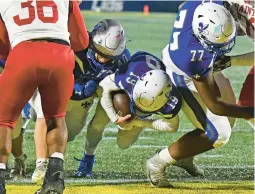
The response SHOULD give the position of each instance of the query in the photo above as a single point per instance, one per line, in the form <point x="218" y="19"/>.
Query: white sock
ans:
<point x="57" y="155"/>
<point x="166" y="157"/>
<point x="2" y="166"/>
<point x="40" y="160"/>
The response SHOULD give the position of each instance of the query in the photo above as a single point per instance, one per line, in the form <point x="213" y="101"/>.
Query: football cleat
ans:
<point x="39" y="172"/>
<point x="155" y="172"/>
<point x="2" y="189"/>
<point x="54" y="178"/>
<point x="86" y="166"/>
<point x="188" y="164"/>
<point x="18" y="170"/>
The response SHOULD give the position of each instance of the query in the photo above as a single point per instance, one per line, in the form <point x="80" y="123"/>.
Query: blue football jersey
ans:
<point x="185" y="51"/>
<point x="140" y="63"/>
<point x="86" y="71"/>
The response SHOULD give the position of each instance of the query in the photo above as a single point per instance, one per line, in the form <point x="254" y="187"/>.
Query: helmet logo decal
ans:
<point x="202" y="27"/>
<point x="217" y="29"/>
<point x="117" y="37"/>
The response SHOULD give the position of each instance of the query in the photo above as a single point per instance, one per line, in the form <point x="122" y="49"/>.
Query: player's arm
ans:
<point x="240" y="31"/>
<point x="169" y="125"/>
<point x="210" y="93"/>
<point x="246" y="59"/>
<point x="109" y="86"/>
<point x="224" y="62"/>
<point x="79" y="37"/>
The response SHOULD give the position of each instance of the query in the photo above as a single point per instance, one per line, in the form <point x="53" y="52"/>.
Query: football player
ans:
<point x="243" y="13"/>
<point x="151" y="92"/>
<point x="106" y="52"/>
<point x="40" y="57"/>
<point x="202" y="32"/>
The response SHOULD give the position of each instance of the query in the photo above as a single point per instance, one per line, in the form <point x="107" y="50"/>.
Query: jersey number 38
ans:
<point x="39" y="9"/>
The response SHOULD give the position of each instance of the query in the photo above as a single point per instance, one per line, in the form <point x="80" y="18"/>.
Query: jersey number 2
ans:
<point x="40" y="5"/>
<point x="179" y="25"/>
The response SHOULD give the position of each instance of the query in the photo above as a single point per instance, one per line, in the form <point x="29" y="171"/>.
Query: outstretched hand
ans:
<point x="123" y="120"/>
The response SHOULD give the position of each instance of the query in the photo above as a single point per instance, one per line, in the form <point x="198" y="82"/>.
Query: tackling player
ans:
<point x="40" y="58"/>
<point x="151" y="92"/>
<point x="202" y="31"/>
<point x="106" y="52"/>
<point x="243" y="13"/>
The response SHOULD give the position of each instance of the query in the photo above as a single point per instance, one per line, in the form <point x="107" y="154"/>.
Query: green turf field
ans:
<point x="228" y="170"/>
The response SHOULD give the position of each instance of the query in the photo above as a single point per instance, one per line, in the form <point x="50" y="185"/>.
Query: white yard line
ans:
<point x="120" y="181"/>
<point x="114" y="129"/>
<point x="114" y="138"/>
<point x="228" y="167"/>
<point x="210" y="156"/>
<point x="149" y="146"/>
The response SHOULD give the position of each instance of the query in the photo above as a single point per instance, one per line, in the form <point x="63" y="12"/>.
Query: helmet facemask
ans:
<point x="108" y="40"/>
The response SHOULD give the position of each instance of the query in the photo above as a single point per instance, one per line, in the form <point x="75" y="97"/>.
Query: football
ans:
<point x="121" y="102"/>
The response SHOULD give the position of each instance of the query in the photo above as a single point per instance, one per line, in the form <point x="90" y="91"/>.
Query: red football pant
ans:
<point x="247" y="93"/>
<point x="48" y="66"/>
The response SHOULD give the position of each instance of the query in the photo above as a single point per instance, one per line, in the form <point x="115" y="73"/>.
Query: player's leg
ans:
<point x="76" y="114"/>
<point x="226" y="91"/>
<point x="19" y="166"/>
<point x="57" y="63"/>
<point x="189" y="145"/>
<point x="94" y="135"/>
<point x="126" y="138"/>
<point x="246" y="97"/>
<point x="211" y="131"/>
<point x="17" y="84"/>
<point x="40" y="133"/>
<point x="18" y="169"/>
<point x="39" y="138"/>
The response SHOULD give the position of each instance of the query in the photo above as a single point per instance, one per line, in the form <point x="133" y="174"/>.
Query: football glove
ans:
<point x="90" y="88"/>
<point x="78" y="88"/>
<point x="85" y="89"/>
<point x="222" y="63"/>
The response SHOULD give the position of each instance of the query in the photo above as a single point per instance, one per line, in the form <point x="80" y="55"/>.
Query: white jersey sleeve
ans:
<point x="28" y="19"/>
<point x="108" y="86"/>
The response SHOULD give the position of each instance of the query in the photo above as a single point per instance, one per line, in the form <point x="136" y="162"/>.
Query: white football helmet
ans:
<point x="108" y="38"/>
<point x="214" y="27"/>
<point x="152" y="90"/>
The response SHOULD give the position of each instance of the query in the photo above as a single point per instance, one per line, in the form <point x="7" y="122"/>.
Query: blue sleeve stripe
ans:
<point x="211" y="131"/>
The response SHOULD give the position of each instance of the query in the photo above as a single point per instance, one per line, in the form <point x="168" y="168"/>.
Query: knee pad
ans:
<point x="223" y="137"/>
<point x="123" y="144"/>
